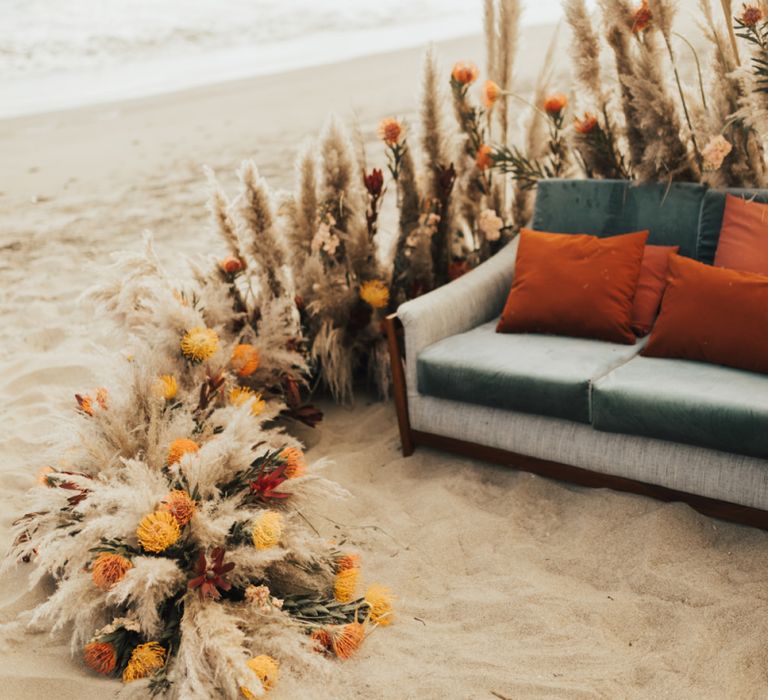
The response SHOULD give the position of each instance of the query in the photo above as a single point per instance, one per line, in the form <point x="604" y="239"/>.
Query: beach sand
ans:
<point x="508" y="585"/>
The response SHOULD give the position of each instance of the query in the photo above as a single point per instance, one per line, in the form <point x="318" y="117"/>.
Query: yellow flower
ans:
<point x="145" y="660"/>
<point x="375" y="293"/>
<point x="180" y="447"/>
<point x="199" y="344"/>
<point x="179" y="504"/>
<point x="391" y="131"/>
<point x="379" y="599"/>
<point x="267" y="670"/>
<point x="240" y="395"/>
<point x="267" y="530"/>
<point x="167" y="387"/>
<point x="345" y="584"/>
<point x="158" y="531"/>
<point x="245" y="360"/>
<point x="108" y="569"/>
<point x="295" y="465"/>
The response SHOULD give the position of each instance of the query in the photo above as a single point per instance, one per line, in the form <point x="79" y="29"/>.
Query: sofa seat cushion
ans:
<point x="542" y="374"/>
<point x="691" y="402"/>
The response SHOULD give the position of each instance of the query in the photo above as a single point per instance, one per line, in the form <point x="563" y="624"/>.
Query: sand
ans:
<point x="508" y="585"/>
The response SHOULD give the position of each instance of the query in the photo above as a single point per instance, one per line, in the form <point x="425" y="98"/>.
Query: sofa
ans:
<point x="580" y="410"/>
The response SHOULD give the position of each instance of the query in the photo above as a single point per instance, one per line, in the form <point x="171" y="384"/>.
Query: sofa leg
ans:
<point x="394" y="331"/>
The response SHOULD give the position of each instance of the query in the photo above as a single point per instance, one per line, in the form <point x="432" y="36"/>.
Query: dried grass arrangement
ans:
<point x="175" y="518"/>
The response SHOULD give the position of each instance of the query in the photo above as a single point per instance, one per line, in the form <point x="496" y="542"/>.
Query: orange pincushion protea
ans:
<point x="100" y="657"/>
<point x="346" y="640"/>
<point x="642" y="18"/>
<point x="491" y="93"/>
<point x="245" y="360"/>
<point x="180" y="447"/>
<point x="295" y="465"/>
<point x="345" y="584"/>
<point x="180" y="505"/>
<point x="379" y="599"/>
<point x="556" y="103"/>
<point x="464" y="72"/>
<point x="322" y="639"/>
<point x="586" y="125"/>
<point x="484" y="158"/>
<point x="391" y="131"/>
<point x="158" y="531"/>
<point x="109" y="569"/>
<point x="267" y="671"/>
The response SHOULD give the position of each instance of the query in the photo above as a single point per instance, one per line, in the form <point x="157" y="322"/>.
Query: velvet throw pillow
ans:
<point x="743" y="243"/>
<point x="712" y="314"/>
<point x="651" y="286"/>
<point x="576" y="285"/>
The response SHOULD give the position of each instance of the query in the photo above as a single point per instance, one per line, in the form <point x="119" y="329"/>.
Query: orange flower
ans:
<point x="108" y="569"/>
<point x="180" y="447"/>
<point x="322" y="639"/>
<point x="586" y="125"/>
<point x="179" y="504"/>
<point x="100" y="657"/>
<point x="245" y="360"/>
<point x="642" y="18"/>
<point x="101" y="397"/>
<point x="391" y="131"/>
<point x="231" y="265"/>
<point x="348" y="561"/>
<point x="347" y="640"/>
<point x="491" y="93"/>
<point x="464" y="73"/>
<point x="554" y="104"/>
<point x="750" y="15"/>
<point x="84" y="403"/>
<point x="295" y="465"/>
<point x="484" y="158"/>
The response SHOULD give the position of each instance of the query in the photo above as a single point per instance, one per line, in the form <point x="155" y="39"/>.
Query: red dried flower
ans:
<point x="750" y="15"/>
<point x="586" y="125"/>
<point x="266" y="484"/>
<point x="642" y="18"/>
<point x="210" y="579"/>
<point x="231" y="265"/>
<point x="556" y="103"/>
<point x="374" y="182"/>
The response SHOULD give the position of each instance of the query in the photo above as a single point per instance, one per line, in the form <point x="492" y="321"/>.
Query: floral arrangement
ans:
<point x="177" y="518"/>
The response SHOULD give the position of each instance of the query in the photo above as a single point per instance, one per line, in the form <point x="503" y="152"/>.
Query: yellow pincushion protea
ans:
<point x="245" y="360"/>
<point x="145" y="660"/>
<point x="167" y="387"/>
<point x="158" y="531"/>
<point x="199" y="344"/>
<point x="267" y="671"/>
<point x="379" y="599"/>
<point x="180" y="447"/>
<point x="345" y="584"/>
<point x="267" y="530"/>
<point x="241" y="395"/>
<point x="375" y="293"/>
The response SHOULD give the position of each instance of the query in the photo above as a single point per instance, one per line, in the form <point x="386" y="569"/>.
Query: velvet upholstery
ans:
<point x="696" y="403"/>
<point x="609" y="207"/>
<point x="711" y="218"/>
<point x="541" y="374"/>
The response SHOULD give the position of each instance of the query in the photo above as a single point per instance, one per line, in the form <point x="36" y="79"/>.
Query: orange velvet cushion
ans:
<point x="577" y="285"/>
<point x="743" y="243"/>
<point x="650" y="286"/>
<point x="712" y="315"/>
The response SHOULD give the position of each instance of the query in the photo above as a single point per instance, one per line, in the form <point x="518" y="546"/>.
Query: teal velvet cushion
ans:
<point x="609" y="207"/>
<point x="691" y="402"/>
<point x="711" y="219"/>
<point x="547" y="375"/>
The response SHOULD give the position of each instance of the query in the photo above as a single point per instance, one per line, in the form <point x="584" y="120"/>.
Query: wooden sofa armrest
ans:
<point x="395" y="336"/>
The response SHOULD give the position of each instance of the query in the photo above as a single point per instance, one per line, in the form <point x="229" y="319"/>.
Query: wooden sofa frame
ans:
<point x="410" y="438"/>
